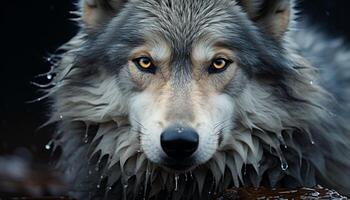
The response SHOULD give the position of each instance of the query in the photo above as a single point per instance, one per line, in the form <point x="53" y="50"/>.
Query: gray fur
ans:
<point x="289" y="131"/>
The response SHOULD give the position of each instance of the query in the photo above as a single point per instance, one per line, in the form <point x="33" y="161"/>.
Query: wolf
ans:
<point x="182" y="99"/>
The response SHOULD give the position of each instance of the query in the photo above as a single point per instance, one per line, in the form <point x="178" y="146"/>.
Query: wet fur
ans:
<point x="289" y="129"/>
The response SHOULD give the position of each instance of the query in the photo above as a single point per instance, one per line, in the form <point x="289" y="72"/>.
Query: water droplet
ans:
<point x="315" y="194"/>
<point x="125" y="187"/>
<point x="191" y="175"/>
<point x="98" y="186"/>
<point x="176" y="182"/>
<point x="61" y="117"/>
<point x="49" y="76"/>
<point x="245" y="169"/>
<point x="90" y="172"/>
<point x="311" y="82"/>
<point x="311" y="138"/>
<point x="186" y="177"/>
<point x="48" y="147"/>
<point x="109" y="188"/>
<point x="86" y="135"/>
<point x="284" y="166"/>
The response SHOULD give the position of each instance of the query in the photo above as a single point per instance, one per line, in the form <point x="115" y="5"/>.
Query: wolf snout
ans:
<point x="179" y="142"/>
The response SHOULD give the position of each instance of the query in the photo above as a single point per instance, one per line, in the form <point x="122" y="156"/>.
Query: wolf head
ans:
<point x="192" y="85"/>
<point x="182" y="66"/>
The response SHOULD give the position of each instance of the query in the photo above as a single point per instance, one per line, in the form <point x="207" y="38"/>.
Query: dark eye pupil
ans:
<point x="145" y="61"/>
<point x="219" y="62"/>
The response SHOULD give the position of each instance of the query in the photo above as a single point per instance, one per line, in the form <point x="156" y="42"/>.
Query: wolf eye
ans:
<point x="145" y="64"/>
<point x="219" y="65"/>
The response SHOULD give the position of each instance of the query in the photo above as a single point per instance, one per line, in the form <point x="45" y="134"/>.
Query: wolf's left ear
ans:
<point x="98" y="12"/>
<point x="272" y="16"/>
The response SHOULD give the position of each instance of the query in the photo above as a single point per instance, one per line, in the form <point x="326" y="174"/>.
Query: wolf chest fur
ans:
<point x="182" y="99"/>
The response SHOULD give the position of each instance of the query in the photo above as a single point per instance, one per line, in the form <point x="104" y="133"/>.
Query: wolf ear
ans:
<point x="98" y="12"/>
<point x="272" y="16"/>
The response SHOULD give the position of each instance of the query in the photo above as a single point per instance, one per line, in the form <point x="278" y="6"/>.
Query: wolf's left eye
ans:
<point x="145" y="64"/>
<point x="219" y="65"/>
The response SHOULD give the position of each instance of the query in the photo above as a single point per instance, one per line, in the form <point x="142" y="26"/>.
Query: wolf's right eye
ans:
<point x="219" y="65"/>
<point x="145" y="64"/>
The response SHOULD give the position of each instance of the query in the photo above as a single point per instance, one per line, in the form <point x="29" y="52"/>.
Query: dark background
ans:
<point x="32" y="30"/>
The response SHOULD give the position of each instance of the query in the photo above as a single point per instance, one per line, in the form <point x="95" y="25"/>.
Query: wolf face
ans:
<point x="211" y="88"/>
<point x="180" y="107"/>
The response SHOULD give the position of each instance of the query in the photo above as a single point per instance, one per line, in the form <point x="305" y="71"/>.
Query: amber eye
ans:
<point x="219" y="65"/>
<point x="145" y="64"/>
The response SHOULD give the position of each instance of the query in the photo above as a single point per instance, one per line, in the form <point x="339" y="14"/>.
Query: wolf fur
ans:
<point x="286" y="108"/>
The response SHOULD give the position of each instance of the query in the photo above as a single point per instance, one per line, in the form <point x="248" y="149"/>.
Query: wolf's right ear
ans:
<point x="272" y="16"/>
<point x="98" y="12"/>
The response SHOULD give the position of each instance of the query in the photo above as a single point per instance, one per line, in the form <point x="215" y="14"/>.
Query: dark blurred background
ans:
<point x="32" y="30"/>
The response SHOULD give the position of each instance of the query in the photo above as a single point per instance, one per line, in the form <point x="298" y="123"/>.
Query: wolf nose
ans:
<point x="179" y="142"/>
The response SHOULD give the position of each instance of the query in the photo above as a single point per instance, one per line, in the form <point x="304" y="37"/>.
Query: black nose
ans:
<point x="179" y="142"/>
